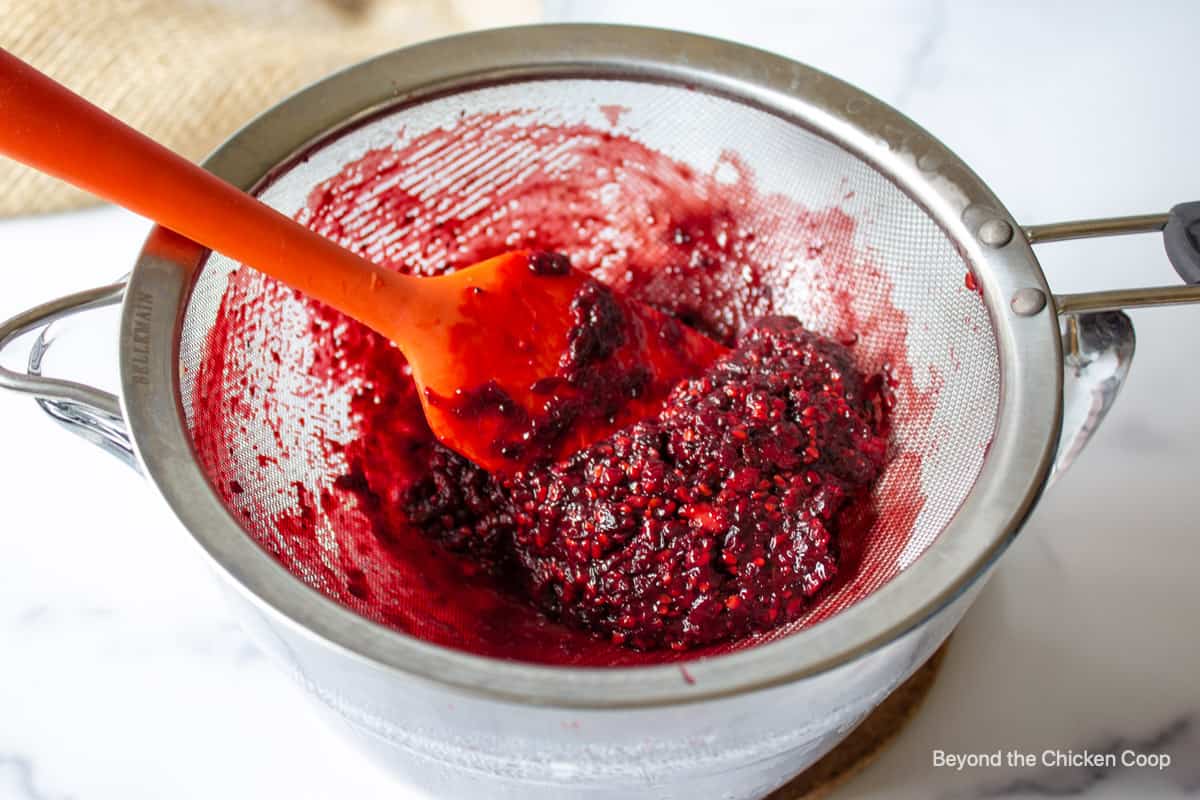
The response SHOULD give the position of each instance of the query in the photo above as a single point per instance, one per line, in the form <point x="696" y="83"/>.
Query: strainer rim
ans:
<point x="1029" y="348"/>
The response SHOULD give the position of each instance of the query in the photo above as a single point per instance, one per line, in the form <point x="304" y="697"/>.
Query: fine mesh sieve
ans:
<point x="848" y="253"/>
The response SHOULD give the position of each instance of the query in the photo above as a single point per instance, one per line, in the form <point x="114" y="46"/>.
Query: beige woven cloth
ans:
<point x="190" y="72"/>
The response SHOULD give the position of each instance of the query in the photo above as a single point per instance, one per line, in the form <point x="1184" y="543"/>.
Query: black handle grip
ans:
<point x="1181" y="237"/>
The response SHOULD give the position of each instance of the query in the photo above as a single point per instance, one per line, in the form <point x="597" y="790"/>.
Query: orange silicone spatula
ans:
<point x="517" y="358"/>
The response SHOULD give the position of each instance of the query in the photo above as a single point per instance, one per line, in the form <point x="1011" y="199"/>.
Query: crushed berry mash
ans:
<point x="719" y="517"/>
<point x="732" y="512"/>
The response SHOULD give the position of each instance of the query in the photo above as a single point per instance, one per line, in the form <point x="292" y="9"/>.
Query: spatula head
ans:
<point x="532" y="360"/>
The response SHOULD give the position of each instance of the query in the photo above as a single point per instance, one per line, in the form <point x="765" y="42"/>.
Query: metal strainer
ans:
<point x="976" y="430"/>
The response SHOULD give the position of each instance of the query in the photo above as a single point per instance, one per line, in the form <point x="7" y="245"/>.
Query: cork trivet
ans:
<point x="868" y="739"/>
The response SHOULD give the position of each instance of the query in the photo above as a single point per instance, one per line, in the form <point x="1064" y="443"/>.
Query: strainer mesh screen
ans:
<point x="604" y="171"/>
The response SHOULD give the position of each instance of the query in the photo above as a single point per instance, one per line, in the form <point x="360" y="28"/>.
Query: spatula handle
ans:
<point x="52" y="129"/>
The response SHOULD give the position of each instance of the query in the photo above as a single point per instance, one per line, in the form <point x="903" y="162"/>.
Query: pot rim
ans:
<point x="1011" y="479"/>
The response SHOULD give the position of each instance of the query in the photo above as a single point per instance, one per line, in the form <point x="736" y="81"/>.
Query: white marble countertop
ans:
<point x="123" y="676"/>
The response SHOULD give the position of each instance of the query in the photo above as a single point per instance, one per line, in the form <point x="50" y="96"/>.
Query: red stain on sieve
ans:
<point x="613" y="113"/>
<point x="972" y="284"/>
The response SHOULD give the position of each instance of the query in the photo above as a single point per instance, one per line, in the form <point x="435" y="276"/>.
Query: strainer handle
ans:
<point x="1181" y="239"/>
<point x="1098" y="338"/>
<point x="85" y="410"/>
